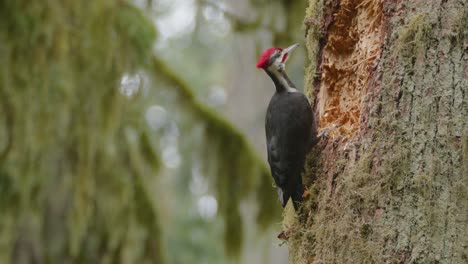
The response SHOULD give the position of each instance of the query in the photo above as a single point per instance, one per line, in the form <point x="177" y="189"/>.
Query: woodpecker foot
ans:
<point x="306" y="194"/>
<point x="325" y="132"/>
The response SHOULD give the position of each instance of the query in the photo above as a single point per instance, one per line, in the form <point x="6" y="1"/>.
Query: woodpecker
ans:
<point x="288" y="127"/>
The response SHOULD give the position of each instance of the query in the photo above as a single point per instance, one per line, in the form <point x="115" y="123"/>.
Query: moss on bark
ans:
<point x="391" y="193"/>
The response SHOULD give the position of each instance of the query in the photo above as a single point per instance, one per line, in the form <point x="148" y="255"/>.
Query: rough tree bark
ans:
<point x="390" y="186"/>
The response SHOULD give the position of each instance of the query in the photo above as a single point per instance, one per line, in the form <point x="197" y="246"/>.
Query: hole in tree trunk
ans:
<point x="352" y="47"/>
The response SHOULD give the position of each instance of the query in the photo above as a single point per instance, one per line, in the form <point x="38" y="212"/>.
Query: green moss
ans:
<point x="136" y="32"/>
<point x="314" y="32"/>
<point x="148" y="152"/>
<point x="66" y="161"/>
<point x="145" y="213"/>
<point x="7" y="190"/>
<point x="413" y="37"/>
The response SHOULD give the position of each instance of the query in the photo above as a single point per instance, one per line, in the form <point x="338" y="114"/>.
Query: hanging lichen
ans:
<point x="71" y="180"/>
<point x="75" y="154"/>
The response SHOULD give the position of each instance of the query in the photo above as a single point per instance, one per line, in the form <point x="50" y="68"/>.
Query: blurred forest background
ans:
<point x="132" y="131"/>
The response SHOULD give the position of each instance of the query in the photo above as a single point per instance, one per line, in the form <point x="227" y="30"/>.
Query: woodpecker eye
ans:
<point x="268" y="56"/>
<point x="277" y="53"/>
<point x="274" y="57"/>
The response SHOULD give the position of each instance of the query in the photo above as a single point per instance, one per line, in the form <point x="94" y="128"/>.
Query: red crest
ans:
<point x="263" y="60"/>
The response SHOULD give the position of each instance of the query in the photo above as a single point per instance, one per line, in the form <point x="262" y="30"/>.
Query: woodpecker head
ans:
<point x="274" y="59"/>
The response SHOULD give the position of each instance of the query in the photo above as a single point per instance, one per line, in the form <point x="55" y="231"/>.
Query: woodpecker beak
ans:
<point x="290" y="48"/>
<point x="288" y="51"/>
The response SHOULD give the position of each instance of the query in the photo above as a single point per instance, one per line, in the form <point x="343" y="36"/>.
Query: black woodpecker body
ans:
<point x="289" y="122"/>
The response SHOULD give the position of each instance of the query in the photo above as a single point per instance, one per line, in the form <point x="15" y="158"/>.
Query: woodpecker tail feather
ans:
<point x="297" y="196"/>
<point x="282" y="196"/>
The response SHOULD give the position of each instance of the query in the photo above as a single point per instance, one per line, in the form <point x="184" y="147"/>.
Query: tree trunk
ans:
<point x="391" y="184"/>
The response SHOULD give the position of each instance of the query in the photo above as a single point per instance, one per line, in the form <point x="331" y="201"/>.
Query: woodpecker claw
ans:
<point x="323" y="135"/>
<point x="325" y="132"/>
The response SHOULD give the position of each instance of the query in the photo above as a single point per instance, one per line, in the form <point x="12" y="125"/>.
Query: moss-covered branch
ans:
<point x="238" y="170"/>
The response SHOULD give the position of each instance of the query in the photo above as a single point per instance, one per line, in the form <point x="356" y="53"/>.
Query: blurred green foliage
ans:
<point x="234" y="169"/>
<point x="76" y="153"/>
<point x="77" y="159"/>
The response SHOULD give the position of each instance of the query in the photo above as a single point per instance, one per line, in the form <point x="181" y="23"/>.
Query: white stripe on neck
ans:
<point x="284" y="82"/>
<point x="291" y="90"/>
